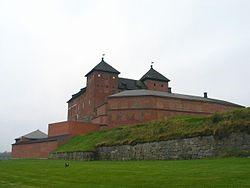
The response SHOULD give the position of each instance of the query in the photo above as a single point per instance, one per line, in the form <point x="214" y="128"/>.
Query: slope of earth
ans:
<point x="220" y="125"/>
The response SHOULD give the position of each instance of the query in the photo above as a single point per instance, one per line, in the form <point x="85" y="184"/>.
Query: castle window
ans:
<point x="161" y="85"/>
<point x="154" y="84"/>
<point x="99" y="75"/>
<point x="107" y="86"/>
<point x="113" y="77"/>
<point x="83" y="105"/>
<point x="89" y="102"/>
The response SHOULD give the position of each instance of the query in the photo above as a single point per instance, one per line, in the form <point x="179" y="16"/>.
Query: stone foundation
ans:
<point x="189" y="148"/>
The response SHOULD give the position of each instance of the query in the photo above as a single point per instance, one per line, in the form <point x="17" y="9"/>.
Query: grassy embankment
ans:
<point x="220" y="125"/>
<point x="227" y="172"/>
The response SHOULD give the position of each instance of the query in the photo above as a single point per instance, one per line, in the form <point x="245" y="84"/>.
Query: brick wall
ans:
<point x="81" y="108"/>
<point x="104" y="84"/>
<point x="156" y="85"/>
<point x="101" y="115"/>
<point x="132" y="110"/>
<point x="41" y="149"/>
<point x="99" y="86"/>
<point x="80" y="128"/>
<point x="101" y="110"/>
<point x="72" y="128"/>
<point x="60" y="128"/>
<point x="34" y="150"/>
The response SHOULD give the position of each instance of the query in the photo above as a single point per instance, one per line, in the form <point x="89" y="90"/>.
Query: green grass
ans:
<point x="219" y="125"/>
<point x="227" y="172"/>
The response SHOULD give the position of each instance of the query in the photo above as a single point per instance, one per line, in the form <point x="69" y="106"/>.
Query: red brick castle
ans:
<point x="110" y="101"/>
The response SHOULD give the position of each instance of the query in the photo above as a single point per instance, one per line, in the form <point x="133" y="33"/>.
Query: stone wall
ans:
<point x="189" y="148"/>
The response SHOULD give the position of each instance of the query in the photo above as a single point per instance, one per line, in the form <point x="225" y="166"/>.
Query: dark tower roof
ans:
<point x="104" y="67"/>
<point x="154" y="75"/>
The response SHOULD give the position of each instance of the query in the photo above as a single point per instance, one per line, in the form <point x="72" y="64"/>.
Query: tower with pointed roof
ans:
<point x="155" y="80"/>
<point x="102" y="81"/>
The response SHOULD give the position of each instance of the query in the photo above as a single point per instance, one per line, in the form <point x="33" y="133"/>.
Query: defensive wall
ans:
<point x="37" y="149"/>
<point x="58" y="134"/>
<point x="71" y="128"/>
<point x="188" y="148"/>
<point x="132" y="110"/>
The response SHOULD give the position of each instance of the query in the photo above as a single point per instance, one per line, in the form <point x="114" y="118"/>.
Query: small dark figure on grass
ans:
<point x="66" y="165"/>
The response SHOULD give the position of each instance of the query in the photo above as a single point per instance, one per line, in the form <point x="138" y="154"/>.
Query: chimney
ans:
<point x="205" y="94"/>
<point x="169" y="90"/>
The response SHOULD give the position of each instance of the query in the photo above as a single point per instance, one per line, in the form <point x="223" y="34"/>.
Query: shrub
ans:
<point x="216" y="118"/>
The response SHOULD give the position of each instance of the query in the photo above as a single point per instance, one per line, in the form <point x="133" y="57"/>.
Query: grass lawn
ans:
<point x="224" y="172"/>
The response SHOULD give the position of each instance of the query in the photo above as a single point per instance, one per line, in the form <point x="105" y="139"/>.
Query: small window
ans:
<point x="113" y="77"/>
<point x="161" y="85"/>
<point x="99" y="75"/>
<point x="107" y="86"/>
<point x="154" y="84"/>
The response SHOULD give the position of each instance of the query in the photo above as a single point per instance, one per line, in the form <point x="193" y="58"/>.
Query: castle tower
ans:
<point x="102" y="81"/>
<point x="155" y="81"/>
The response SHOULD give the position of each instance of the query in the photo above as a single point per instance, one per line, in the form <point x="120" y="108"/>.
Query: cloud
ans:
<point x="46" y="48"/>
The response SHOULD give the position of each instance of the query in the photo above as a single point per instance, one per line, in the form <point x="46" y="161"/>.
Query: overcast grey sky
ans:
<point x="46" y="48"/>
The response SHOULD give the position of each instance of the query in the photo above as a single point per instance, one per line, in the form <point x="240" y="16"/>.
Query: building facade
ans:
<point x="110" y="101"/>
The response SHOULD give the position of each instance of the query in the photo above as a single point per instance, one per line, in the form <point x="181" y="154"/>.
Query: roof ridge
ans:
<point x="103" y="66"/>
<point x="36" y="134"/>
<point x="152" y="74"/>
<point x="145" y="92"/>
<point x="128" y="79"/>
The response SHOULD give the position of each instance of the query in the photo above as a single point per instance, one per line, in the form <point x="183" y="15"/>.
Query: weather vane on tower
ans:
<point x="152" y="64"/>
<point x="103" y="56"/>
